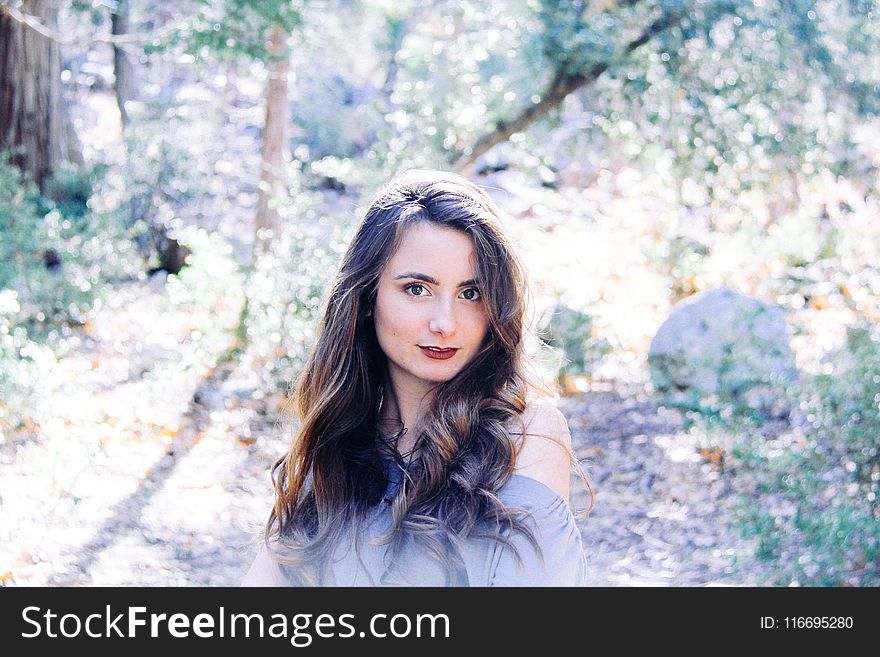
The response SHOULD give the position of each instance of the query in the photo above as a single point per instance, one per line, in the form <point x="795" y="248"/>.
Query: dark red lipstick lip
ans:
<point x="446" y="352"/>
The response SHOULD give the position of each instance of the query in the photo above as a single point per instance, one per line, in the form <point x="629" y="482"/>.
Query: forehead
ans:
<point x="434" y="250"/>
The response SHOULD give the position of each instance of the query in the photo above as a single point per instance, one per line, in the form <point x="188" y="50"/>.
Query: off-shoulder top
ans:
<point x="357" y="561"/>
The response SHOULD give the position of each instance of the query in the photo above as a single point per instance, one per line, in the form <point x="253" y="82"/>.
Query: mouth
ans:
<point x="438" y="353"/>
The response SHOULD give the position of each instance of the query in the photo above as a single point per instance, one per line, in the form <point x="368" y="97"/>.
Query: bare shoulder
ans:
<point x="545" y="447"/>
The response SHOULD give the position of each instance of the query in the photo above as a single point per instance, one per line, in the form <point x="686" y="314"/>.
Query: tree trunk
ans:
<point x="275" y="146"/>
<point x="122" y="66"/>
<point x="562" y="85"/>
<point x="34" y="127"/>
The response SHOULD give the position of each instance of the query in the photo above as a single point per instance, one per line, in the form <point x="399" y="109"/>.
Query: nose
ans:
<point x="443" y="319"/>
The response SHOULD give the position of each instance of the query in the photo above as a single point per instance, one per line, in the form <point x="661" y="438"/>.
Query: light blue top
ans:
<point x="488" y="563"/>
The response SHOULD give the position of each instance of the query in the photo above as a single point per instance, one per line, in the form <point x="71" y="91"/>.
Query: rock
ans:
<point x="721" y="343"/>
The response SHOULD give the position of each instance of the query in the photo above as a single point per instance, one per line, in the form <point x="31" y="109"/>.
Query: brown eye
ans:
<point x="471" y="294"/>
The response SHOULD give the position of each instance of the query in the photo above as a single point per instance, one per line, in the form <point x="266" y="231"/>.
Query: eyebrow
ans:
<point x="431" y="280"/>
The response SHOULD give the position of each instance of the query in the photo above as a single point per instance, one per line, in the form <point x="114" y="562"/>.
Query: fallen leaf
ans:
<point x="713" y="454"/>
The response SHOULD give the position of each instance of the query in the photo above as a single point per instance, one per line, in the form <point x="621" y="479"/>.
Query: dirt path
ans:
<point x="661" y="509"/>
<point x="130" y="481"/>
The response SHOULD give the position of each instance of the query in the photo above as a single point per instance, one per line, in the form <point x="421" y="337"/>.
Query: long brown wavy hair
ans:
<point x="465" y="452"/>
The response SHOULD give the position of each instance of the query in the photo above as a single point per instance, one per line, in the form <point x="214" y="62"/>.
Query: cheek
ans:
<point x="479" y="323"/>
<point x="392" y="316"/>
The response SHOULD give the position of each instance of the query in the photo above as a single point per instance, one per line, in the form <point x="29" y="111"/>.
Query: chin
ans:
<point x="436" y="379"/>
<point x="439" y="378"/>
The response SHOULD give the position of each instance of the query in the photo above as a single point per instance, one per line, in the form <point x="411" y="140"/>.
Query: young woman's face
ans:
<point x="429" y="314"/>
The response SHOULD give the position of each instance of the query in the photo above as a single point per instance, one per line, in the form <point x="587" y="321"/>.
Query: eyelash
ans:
<point x="409" y="287"/>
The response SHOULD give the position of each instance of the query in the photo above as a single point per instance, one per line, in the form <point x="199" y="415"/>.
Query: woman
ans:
<point x="418" y="460"/>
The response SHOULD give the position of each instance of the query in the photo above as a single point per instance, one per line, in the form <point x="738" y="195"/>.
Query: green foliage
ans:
<point x="809" y="526"/>
<point x="211" y="291"/>
<point x="731" y="89"/>
<point x="680" y="259"/>
<point x="20" y="214"/>
<point x="571" y="333"/>
<point x="262" y="318"/>
<point x="323" y="88"/>
<point x="26" y="368"/>
<point x="577" y="38"/>
<point x="56" y="257"/>
<point x="809" y="501"/>
<point x="287" y="287"/>
<point x="285" y="293"/>
<point x="846" y="405"/>
<point x="234" y="29"/>
<point x="726" y="91"/>
<point x="462" y="67"/>
<point x="70" y="190"/>
<point x="160" y="177"/>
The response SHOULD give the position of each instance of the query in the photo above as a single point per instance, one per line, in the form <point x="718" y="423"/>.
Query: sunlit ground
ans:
<point x="81" y="498"/>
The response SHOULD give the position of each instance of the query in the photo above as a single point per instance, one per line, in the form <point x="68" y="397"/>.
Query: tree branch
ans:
<point x="561" y="86"/>
<point x="29" y="21"/>
<point x="33" y="23"/>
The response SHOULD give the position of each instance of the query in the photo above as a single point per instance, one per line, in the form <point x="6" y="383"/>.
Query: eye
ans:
<point x="415" y="289"/>
<point x="471" y="294"/>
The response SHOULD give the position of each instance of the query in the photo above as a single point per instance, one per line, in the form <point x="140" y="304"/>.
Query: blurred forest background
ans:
<point x="692" y="183"/>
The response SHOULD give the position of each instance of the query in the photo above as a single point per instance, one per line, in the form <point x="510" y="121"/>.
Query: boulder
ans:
<point x="722" y="344"/>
